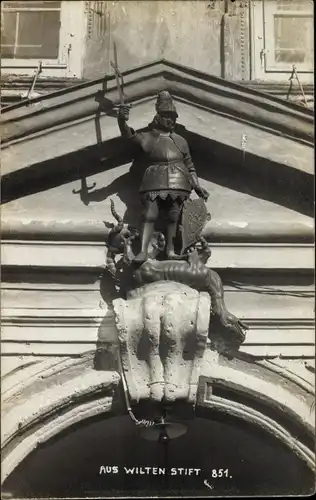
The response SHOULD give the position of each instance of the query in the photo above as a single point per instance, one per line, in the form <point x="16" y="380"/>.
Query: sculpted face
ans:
<point x="116" y="240"/>
<point x="165" y="120"/>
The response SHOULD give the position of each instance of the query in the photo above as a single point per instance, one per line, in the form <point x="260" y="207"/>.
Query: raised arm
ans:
<point x="126" y="131"/>
<point x="122" y="118"/>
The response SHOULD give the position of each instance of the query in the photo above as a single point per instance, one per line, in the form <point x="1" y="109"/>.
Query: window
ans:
<point x="47" y="31"/>
<point x="30" y="30"/>
<point x="283" y="37"/>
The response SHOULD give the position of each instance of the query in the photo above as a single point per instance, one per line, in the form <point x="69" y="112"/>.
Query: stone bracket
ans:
<point x="162" y="333"/>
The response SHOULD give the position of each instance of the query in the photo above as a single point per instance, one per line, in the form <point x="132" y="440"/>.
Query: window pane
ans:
<point x="293" y="39"/>
<point x="8" y="26"/>
<point x="37" y="34"/>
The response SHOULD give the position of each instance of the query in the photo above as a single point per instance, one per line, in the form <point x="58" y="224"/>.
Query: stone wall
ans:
<point x="198" y="34"/>
<point x="212" y="36"/>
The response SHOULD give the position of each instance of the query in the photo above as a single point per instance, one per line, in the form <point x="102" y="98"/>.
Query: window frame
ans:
<point x="262" y="69"/>
<point x="71" y="43"/>
<point x="31" y="62"/>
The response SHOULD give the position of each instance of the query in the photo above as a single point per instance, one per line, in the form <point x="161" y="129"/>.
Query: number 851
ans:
<point x="218" y="473"/>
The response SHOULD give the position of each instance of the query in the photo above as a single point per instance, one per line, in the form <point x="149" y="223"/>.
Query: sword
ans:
<point x="118" y="77"/>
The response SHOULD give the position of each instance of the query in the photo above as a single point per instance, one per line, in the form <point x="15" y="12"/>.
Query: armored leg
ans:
<point x="150" y="215"/>
<point x="173" y="219"/>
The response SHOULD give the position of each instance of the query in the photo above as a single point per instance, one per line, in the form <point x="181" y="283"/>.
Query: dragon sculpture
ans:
<point x="190" y="269"/>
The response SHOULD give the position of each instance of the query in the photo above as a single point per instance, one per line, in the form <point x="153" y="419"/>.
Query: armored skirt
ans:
<point x="169" y="170"/>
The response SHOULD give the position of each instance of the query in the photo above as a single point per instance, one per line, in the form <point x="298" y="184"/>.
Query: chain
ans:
<point x="138" y="423"/>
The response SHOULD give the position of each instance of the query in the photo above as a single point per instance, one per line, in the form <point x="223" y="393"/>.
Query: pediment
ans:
<point x="207" y="105"/>
<point x="248" y="143"/>
<point x="242" y="209"/>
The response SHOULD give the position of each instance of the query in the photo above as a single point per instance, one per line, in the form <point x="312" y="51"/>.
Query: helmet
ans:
<point x="165" y="103"/>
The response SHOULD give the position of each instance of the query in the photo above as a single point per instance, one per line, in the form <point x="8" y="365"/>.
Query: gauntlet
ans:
<point x="123" y="113"/>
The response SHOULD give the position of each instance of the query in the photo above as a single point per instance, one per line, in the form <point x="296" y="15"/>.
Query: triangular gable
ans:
<point x="72" y="134"/>
<point x="213" y="93"/>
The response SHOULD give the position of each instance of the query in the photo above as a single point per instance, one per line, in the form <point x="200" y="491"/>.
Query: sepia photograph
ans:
<point x="157" y="249"/>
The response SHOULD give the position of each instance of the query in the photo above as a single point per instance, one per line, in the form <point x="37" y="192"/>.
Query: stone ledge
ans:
<point x="219" y="231"/>
<point x="92" y="255"/>
<point x="76" y="350"/>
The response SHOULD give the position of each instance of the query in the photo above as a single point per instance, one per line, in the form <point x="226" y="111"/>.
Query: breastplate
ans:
<point x="165" y="150"/>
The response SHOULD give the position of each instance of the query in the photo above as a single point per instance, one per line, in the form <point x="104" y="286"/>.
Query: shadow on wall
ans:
<point x="226" y="167"/>
<point x="106" y="354"/>
<point x="214" y="161"/>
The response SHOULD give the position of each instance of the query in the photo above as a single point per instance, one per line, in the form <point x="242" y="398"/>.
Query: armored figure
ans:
<point x="168" y="301"/>
<point x="169" y="176"/>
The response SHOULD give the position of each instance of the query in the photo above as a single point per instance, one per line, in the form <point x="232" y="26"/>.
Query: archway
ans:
<point x="252" y="420"/>
<point x="252" y="462"/>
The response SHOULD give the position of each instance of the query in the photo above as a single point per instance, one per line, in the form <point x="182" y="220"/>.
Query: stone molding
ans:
<point x="25" y="230"/>
<point x="66" y="396"/>
<point x="92" y="254"/>
<point x="12" y="90"/>
<point x="265" y="423"/>
<point x="16" y="84"/>
<point x="63" y="311"/>
<point x="218" y="95"/>
<point x="50" y="410"/>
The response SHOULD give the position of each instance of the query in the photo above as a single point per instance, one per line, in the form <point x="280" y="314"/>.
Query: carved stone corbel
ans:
<point x="163" y="329"/>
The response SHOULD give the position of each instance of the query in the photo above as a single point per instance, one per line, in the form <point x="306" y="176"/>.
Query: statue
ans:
<point x="190" y="270"/>
<point x="169" y="302"/>
<point x="171" y="307"/>
<point x="169" y="176"/>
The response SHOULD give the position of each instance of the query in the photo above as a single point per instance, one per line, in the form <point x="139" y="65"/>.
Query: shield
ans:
<point x="193" y="219"/>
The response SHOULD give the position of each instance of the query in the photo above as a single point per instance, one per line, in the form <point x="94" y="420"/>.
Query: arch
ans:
<point x="69" y="392"/>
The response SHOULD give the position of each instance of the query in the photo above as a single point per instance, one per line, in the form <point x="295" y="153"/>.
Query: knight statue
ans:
<point x="169" y="175"/>
<point x="169" y="302"/>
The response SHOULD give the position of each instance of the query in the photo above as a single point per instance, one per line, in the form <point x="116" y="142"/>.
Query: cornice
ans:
<point x="91" y="255"/>
<point x="53" y="84"/>
<point x="234" y="100"/>
<point x="13" y="89"/>
<point x="276" y="88"/>
<point x="13" y="81"/>
<point x="87" y="231"/>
